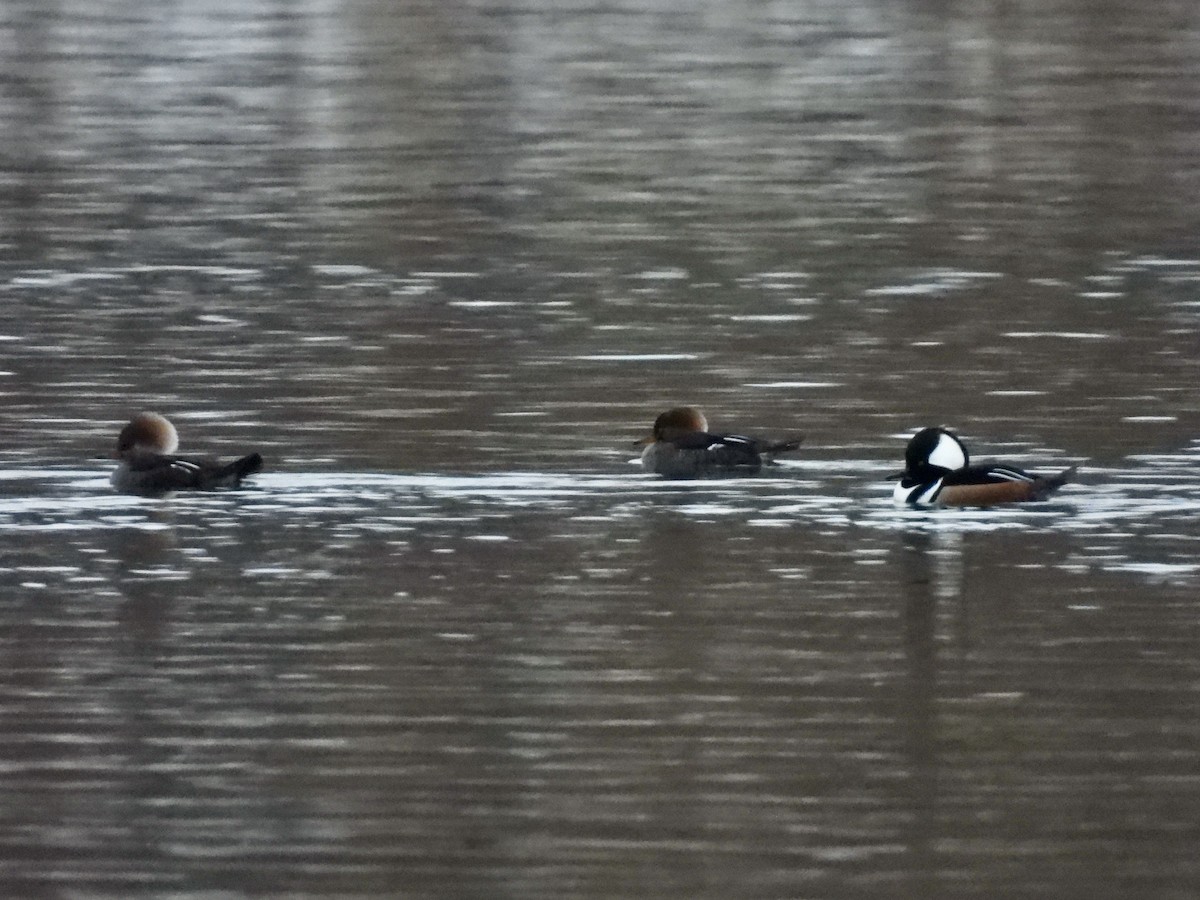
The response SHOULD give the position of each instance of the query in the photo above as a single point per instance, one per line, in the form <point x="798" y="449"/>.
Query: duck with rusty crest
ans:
<point x="681" y="446"/>
<point x="937" y="472"/>
<point x="147" y="467"/>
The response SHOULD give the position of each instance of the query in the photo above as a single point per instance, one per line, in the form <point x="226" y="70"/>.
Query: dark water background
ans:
<point x="441" y="263"/>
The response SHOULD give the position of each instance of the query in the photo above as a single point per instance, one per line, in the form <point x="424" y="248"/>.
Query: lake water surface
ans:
<point x="442" y="263"/>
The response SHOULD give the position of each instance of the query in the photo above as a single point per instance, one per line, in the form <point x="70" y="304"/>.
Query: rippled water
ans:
<point x="442" y="264"/>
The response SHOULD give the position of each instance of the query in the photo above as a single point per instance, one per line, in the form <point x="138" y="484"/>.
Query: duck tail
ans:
<point x="1045" y="485"/>
<point x="784" y="446"/>
<point x="241" y="468"/>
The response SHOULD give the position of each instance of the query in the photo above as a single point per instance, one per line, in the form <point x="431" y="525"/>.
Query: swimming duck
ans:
<point x="680" y="446"/>
<point x="146" y="466"/>
<point x="938" y="473"/>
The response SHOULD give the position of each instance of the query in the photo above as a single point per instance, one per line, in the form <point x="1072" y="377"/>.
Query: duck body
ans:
<point x="680" y="446"/>
<point x="151" y="474"/>
<point x="938" y="473"/>
<point x="148" y="467"/>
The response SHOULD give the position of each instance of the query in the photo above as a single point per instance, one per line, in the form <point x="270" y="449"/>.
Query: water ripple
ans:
<point x="1122" y="508"/>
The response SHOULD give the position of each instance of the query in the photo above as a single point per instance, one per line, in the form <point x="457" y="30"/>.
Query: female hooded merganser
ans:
<point x="147" y="468"/>
<point x="681" y="447"/>
<point x="937" y="473"/>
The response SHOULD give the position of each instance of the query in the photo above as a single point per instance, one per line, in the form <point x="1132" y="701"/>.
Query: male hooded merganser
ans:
<point x="681" y="447"/>
<point x="147" y="468"/>
<point x="937" y="473"/>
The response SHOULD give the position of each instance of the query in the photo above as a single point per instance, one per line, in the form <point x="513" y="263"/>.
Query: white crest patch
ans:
<point x="948" y="454"/>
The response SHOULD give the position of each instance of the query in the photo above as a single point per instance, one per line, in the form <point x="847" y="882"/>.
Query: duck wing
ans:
<point x="988" y="485"/>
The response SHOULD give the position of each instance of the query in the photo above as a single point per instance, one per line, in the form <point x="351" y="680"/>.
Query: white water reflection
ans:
<point x="1141" y="519"/>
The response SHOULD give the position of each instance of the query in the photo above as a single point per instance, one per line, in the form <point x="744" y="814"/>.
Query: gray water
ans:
<point x="442" y="263"/>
